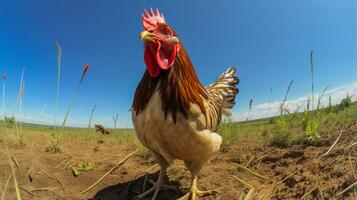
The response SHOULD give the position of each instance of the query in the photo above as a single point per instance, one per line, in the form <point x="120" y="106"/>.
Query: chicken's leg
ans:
<point x="160" y="181"/>
<point x="156" y="187"/>
<point x="194" y="191"/>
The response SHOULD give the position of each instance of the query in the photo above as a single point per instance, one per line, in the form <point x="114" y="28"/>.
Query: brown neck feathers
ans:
<point x="179" y="86"/>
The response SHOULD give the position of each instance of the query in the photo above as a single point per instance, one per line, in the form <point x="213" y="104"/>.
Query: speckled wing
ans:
<point x="222" y="94"/>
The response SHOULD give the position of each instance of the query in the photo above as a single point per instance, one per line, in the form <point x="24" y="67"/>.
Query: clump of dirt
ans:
<point x="299" y="172"/>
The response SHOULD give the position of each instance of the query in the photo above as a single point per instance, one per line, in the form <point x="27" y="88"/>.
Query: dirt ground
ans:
<point x="298" y="172"/>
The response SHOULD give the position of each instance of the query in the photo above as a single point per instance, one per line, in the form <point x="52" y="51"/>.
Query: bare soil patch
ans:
<point x="298" y="172"/>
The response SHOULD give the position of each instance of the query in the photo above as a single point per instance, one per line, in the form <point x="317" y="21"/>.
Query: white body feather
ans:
<point x="192" y="138"/>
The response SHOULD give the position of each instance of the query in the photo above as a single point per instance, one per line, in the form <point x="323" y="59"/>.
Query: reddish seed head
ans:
<point x="151" y="20"/>
<point x="86" y="67"/>
<point x="85" y="70"/>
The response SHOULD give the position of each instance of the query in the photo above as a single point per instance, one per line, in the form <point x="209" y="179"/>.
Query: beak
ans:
<point x="146" y="36"/>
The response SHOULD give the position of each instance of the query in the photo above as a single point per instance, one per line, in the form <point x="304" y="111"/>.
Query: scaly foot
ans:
<point x="194" y="193"/>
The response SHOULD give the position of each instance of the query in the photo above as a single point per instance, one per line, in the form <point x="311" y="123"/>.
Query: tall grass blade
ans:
<point x="312" y="79"/>
<point x="4" y="76"/>
<point x="282" y="105"/>
<point x="59" y="56"/>
<point x="91" y="116"/>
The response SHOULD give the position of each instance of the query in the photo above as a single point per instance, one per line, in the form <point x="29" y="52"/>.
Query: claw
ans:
<point x="194" y="192"/>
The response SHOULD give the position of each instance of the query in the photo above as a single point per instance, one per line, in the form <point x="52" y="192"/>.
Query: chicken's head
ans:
<point x="161" y="43"/>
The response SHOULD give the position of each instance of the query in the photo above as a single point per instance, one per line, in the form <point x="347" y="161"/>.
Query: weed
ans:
<point x="311" y="128"/>
<point x="81" y="167"/>
<point x="54" y="146"/>
<point x="281" y="135"/>
<point x="10" y="122"/>
<point x="281" y="138"/>
<point x="345" y="103"/>
<point x="312" y="120"/>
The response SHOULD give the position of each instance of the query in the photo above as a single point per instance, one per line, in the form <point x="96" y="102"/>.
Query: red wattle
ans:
<point x="151" y="65"/>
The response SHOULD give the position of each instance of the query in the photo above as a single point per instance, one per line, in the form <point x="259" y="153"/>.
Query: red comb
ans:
<point x="151" y="20"/>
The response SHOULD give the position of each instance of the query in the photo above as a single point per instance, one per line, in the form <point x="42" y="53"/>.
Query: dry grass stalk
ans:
<point x="250" y="160"/>
<point x="353" y="144"/>
<point x="334" y="143"/>
<point x="51" y="189"/>
<point x="348" y="188"/>
<point x="249" y="195"/>
<point x="16" y="184"/>
<point x="29" y="192"/>
<point x="151" y="168"/>
<point x="309" y="192"/>
<point x="63" y="162"/>
<point x="11" y="163"/>
<point x="261" y="157"/>
<point x="5" y="187"/>
<point x="54" y="178"/>
<point x="85" y="70"/>
<point x="17" y="164"/>
<point x="284" y="179"/>
<point x="253" y="172"/>
<point x="106" y="174"/>
<point x="246" y="184"/>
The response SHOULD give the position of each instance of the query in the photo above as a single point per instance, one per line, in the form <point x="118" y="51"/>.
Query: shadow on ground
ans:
<point x="129" y="190"/>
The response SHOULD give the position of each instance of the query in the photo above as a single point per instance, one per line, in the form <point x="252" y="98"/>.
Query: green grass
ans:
<point x="286" y="130"/>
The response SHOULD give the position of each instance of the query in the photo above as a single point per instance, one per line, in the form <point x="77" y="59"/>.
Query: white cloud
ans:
<point x="272" y="109"/>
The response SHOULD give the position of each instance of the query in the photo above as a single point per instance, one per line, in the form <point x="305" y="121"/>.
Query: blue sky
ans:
<point x="268" y="41"/>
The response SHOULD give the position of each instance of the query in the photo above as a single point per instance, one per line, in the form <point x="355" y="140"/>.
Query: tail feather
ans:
<point x="225" y="89"/>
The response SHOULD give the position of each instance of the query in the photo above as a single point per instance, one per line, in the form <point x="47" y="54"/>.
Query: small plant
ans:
<point x="280" y="138"/>
<point x="312" y="126"/>
<point x="281" y="122"/>
<point x="10" y="122"/>
<point x="345" y="103"/>
<point x="312" y="120"/>
<point x="54" y="146"/>
<point x="281" y="135"/>
<point x="81" y="167"/>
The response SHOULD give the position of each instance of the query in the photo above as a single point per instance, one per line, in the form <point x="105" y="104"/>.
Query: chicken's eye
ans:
<point x="166" y="33"/>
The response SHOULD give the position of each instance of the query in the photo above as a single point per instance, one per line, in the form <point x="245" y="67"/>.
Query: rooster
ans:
<point x="174" y="115"/>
